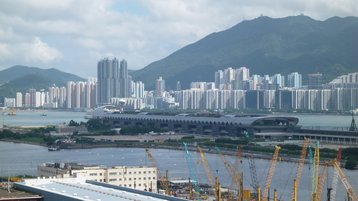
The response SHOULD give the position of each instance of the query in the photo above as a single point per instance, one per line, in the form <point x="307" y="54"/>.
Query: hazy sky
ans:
<point x="72" y="35"/>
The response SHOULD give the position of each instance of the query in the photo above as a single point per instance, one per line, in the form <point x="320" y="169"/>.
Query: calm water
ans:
<point x="18" y="159"/>
<point x="41" y="118"/>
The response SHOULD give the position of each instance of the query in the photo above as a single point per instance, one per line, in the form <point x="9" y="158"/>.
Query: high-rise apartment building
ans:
<point x="19" y="99"/>
<point x="124" y="80"/>
<point x="314" y="80"/>
<point x="108" y="78"/>
<point x="294" y="80"/>
<point x="159" y="86"/>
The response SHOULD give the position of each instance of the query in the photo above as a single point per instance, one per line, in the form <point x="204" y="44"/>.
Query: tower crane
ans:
<point x="209" y="174"/>
<point x="192" y="171"/>
<point x="163" y="180"/>
<point x="315" y="172"/>
<point x="335" y="176"/>
<point x="301" y="163"/>
<point x="270" y="173"/>
<point x="253" y="173"/>
<point x="344" y="180"/>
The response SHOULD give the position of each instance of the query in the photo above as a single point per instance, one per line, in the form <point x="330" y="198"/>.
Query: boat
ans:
<point x="54" y="148"/>
<point x="43" y="114"/>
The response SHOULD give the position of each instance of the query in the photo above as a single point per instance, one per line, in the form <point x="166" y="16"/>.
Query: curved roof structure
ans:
<point x="240" y="120"/>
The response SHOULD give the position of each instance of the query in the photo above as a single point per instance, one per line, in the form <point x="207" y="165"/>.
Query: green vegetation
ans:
<point x="351" y="157"/>
<point x="34" y="136"/>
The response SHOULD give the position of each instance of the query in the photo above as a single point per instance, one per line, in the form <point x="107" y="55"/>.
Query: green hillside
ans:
<point x="266" y="46"/>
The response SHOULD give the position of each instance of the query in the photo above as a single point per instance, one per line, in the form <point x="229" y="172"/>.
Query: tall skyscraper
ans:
<point x="124" y="81"/>
<point x="108" y="80"/>
<point x="159" y="86"/>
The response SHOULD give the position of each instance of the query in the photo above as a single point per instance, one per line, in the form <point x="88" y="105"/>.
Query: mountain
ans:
<point x="55" y="76"/>
<point x="22" y="78"/>
<point x="266" y="46"/>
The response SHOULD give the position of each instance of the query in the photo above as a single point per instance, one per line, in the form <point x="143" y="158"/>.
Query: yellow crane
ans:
<point x="335" y="176"/>
<point x="321" y="181"/>
<point x="301" y="163"/>
<point x="344" y="180"/>
<point x="163" y="180"/>
<point x="270" y="173"/>
<point x="213" y="182"/>
<point x="315" y="172"/>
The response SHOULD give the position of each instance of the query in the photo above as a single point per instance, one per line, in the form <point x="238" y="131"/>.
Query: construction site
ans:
<point x="326" y="176"/>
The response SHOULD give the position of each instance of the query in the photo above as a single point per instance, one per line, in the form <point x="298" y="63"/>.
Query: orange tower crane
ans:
<point x="335" y="176"/>
<point x="321" y="181"/>
<point x="270" y="173"/>
<point x="315" y="172"/>
<point x="209" y="174"/>
<point x="163" y="180"/>
<point x="344" y="180"/>
<point x="301" y="163"/>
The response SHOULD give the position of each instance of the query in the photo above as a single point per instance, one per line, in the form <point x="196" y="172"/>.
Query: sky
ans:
<point x="73" y="35"/>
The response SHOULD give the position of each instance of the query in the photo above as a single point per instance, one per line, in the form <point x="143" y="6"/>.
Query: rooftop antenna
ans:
<point x="353" y="123"/>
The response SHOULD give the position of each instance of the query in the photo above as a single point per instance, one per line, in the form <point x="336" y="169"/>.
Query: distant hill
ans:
<point x="266" y="46"/>
<point x="22" y="78"/>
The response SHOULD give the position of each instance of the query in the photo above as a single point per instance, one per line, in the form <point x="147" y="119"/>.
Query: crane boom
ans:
<point x="163" y="180"/>
<point x="270" y="173"/>
<point x="192" y="171"/>
<point x="344" y="180"/>
<point x="227" y="165"/>
<point x="335" y="176"/>
<point x="301" y="163"/>
<point x="208" y="172"/>
<point x="252" y="165"/>
<point x="321" y="181"/>
<point x="315" y="172"/>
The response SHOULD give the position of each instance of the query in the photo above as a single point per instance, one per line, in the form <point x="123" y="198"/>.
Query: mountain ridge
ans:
<point x="21" y="78"/>
<point x="266" y="46"/>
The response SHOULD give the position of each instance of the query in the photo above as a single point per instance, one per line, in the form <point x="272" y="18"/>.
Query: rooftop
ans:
<point x="85" y="190"/>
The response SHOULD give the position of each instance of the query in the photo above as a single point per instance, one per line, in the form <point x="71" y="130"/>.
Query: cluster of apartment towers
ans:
<point x="233" y="88"/>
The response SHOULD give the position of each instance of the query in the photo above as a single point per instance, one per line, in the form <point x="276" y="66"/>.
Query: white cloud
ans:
<point x="39" y="52"/>
<point x="141" y="31"/>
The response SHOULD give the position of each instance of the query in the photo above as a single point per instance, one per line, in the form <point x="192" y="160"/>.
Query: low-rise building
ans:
<point x="137" y="177"/>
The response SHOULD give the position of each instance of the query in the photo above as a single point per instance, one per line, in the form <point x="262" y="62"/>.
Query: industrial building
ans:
<point x="234" y="125"/>
<point x="138" y="177"/>
<point x="77" y="189"/>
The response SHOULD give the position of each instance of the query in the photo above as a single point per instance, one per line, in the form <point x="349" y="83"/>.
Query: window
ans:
<point x="153" y="177"/>
<point x="134" y="172"/>
<point x="130" y="185"/>
<point x="125" y="185"/>
<point x="113" y="173"/>
<point x="143" y="178"/>
<point x="120" y="179"/>
<point x="149" y="172"/>
<point x="139" y="178"/>
<point x="153" y="171"/>
<point x="119" y="173"/>
<point x="112" y="179"/>
<point x="130" y="179"/>
<point x="135" y="178"/>
<point x="93" y="174"/>
<point x="130" y="172"/>
<point x="100" y="180"/>
<point x="139" y="172"/>
<point x="139" y="184"/>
